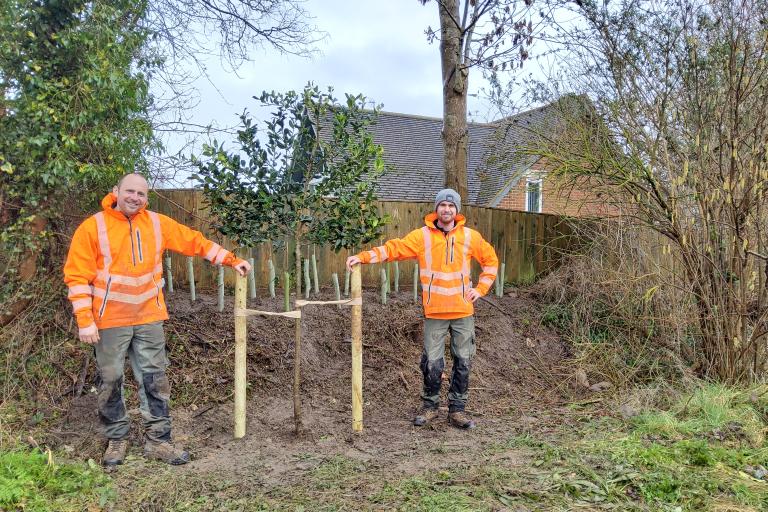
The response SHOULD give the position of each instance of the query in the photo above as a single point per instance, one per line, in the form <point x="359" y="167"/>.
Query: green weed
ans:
<point x="33" y="481"/>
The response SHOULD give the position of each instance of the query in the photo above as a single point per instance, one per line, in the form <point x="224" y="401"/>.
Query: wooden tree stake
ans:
<point x="169" y="274"/>
<point x="416" y="283"/>
<point x="397" y="277"/>
<point x="271" y="284"/>
<point x="357" y="352"/>
<point x="287" y="291"/>
<point x="220" y="283"/>
<point x="384" y="284"/>
<point x="240" y="357"/>
<point x="307" y="284"/>
<point x="315" y="280"/>
<point x="347" y="275"/>
<point x="252" y="279"/>
<point x="191" y="273"/>
<point x="336" y="291"/>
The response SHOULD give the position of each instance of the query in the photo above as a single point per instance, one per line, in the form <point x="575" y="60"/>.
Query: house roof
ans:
<point x="413" y="152"/>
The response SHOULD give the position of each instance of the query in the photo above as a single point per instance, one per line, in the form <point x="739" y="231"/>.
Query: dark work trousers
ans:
<point x="462" y="333"/>
<point x="144" y="345"/>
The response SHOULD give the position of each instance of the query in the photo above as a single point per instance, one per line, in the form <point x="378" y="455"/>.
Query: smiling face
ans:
<point x="446" y="212"/>
<point x="131" y="194"/>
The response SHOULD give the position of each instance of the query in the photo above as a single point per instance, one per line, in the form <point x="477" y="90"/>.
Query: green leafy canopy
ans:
<point x="312" y="170"/>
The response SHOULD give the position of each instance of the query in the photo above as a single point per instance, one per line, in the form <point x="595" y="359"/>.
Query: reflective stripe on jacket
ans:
<point x="114" y="267"/>
<point x="444" y="263"/>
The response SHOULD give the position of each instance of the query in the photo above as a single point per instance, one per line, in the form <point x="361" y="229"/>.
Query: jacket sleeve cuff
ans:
<point x="365" y="257"/>
<point x="84" y="318"/>
<point x="233" y="260"/>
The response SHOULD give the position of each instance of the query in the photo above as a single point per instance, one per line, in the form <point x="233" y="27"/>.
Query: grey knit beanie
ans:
<point x="450" y="195"/>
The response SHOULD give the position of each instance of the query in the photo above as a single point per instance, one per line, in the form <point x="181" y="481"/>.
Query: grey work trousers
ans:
<point x="462" y="332"/>
<point x="145" y="347"/>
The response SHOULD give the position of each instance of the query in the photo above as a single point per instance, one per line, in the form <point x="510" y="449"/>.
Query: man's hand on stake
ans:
<point x="352" y="261"/>
<point x="243" y="268"/>
<point x="472" y="295"/>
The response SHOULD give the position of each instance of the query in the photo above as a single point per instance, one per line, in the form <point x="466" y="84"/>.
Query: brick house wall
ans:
<point x="576" y="202"/>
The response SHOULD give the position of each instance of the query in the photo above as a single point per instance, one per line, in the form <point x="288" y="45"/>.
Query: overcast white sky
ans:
<point x="377" y="48"/>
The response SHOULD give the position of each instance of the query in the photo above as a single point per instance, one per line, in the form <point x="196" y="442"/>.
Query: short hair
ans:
<point x="122" y="178"/>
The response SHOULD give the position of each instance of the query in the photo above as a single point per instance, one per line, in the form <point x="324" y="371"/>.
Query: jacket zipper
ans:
<point x="453" y="242"/>
<point x="138" y="244"/>
<point x="133" y="251"/>
<point x="106" y="295"/>
<point x="429" y="288"/>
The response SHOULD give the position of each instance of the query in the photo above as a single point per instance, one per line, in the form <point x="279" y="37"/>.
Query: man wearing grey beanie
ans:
<point x="444" y="247"/>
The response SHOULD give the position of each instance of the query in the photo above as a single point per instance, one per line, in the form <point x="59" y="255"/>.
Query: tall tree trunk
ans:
<point x="455" y="74"/>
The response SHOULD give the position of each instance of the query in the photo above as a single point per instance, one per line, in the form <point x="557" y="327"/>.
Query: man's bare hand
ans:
<point x="472" y="295"/>
<point x="89" y="335"/>
<point x="243" y="268"/>
<point x="352" y="261"/>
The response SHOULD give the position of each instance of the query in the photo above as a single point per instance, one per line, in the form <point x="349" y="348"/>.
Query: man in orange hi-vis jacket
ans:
<point x="114" y="274"/>
<point x="444" y="248"/>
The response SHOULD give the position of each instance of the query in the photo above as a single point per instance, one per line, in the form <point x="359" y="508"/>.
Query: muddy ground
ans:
<point x="516" y="385"/>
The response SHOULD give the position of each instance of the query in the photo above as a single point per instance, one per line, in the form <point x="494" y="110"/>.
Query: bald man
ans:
<point x="114" y="273"/>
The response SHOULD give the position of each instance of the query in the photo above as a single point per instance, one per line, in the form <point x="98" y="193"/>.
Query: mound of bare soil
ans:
<point x="512" y="378"/>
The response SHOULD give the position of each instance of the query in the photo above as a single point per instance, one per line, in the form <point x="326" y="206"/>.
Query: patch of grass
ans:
<point x="32" y="480"/>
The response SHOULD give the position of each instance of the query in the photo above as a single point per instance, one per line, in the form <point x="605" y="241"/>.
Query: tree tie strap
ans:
<point x="347" y="302"/>
<point x="254" y="312"/>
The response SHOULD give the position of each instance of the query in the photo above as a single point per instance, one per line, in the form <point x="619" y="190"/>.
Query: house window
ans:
<point x="533" y="195"/>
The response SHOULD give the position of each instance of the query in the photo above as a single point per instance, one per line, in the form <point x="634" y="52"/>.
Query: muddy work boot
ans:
<point x="425" y="415"/>
<point x="461" y="419"/>
<point x="115" y="452"/>
<point x="164" y="451"/>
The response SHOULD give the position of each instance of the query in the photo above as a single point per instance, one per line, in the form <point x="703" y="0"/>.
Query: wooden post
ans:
<point x="315" y="280"/>
<point x="347" y="275"/>
<point x="397" y="277"/>
<point x="336" y="291"/>
<point x="220" y="283"/>
<point x="384" y="284"/>
<point x="252" y="279"/>
<point x="271" y="278"/>
<point x="416" y="283"/>
<point x="240" y="356"/>
<point x="287" y="291"/>
<point x="307" y="284"/>
<point x="191" y="273"/>
<point x="357" y="352"/>
<point x="169" y="274"/>
<point x="500" y="280"/>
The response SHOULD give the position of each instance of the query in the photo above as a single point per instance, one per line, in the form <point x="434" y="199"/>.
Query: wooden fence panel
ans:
<point x="531" y="244"/>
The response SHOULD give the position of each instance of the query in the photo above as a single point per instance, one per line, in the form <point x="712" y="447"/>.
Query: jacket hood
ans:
<point x="431" y="218"/>
<point x="108" y="203"/>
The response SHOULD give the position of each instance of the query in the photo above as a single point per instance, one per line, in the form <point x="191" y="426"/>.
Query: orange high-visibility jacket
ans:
<point x="444" y="264"/>
<point x="114" y="267"/>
